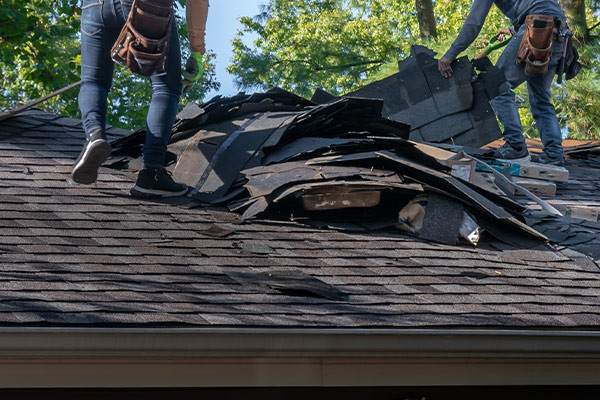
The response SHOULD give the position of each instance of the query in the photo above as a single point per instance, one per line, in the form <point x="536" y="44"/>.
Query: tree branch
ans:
<point x="593" y="27"/>
<point x="358" y="64"/>
<point x="333" y="67"/>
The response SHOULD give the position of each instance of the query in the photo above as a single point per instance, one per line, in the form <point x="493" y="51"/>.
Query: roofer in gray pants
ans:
<point x="538" y="87"/>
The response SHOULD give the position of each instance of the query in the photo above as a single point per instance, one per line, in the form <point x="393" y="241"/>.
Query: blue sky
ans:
<point x="221" y="28"/>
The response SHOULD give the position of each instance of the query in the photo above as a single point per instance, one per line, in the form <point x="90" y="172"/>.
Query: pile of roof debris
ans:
<point x="344" y="165"/>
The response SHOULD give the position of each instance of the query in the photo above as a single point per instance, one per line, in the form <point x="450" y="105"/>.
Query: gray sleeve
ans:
<point x="471" y="28"/>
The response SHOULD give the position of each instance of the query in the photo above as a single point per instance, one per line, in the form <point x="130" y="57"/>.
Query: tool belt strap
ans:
<point x="143" y="42"/>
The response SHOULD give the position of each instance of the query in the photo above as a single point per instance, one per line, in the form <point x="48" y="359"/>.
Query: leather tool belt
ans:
<point x="535" y="51"/>
<point x="143" y="42"/>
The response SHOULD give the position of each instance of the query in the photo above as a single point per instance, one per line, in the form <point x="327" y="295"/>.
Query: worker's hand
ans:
<point x="193" y="70"/>
<point x="444" y="67"/>
<point x="502" y="34"/>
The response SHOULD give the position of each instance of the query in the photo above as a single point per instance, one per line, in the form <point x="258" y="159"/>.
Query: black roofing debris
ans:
<point x="359" y="162"/>
<point x="584" y="151"/>
<point x="439" y="110"/>
<point x="589" y="152"/>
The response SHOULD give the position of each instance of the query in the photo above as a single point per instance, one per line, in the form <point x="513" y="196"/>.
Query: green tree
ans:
<point x="331" y="44"/>
<point x="39" y="53"/>
<point x="38" y="49"/>
<point x="575" y="12"/>
<point x="340" y="45"/>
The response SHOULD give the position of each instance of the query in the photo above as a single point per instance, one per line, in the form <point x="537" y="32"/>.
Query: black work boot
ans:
<point x="547" y="159"/>
<point x="95" y="151"/>
<point x="157" y="182"/>
<point x="509" y="153"/>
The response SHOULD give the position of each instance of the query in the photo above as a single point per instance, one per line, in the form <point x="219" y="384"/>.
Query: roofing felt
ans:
<point x="73" y="255"/>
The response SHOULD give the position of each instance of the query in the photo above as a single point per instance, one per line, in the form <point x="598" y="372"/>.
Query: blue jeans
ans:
<point x="538" y="89"/>
<point x="101" y="22"/>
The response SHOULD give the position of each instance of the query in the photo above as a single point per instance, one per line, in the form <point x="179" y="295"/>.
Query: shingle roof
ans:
<point x="94" y="256"/>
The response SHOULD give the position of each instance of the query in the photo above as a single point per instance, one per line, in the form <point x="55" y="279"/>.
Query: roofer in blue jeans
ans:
<point x="101" y="23"/>
<point x="538" y="87"/>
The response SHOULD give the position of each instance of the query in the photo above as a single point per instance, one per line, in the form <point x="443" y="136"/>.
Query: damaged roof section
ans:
<point x="350" y="164"/>
<point x="454" y="110"/>
<point x="339" y="165"/>
<point x="76" y="255"/>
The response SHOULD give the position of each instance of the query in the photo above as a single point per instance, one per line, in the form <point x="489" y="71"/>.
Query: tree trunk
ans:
<point x="426" y="18"/>
<point x="575" y="13"/>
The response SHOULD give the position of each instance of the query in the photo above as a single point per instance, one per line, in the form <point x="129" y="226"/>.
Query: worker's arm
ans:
<point x="468" y="33"/>
<point x="196" y="12"/>
<point x="471" y="28"/>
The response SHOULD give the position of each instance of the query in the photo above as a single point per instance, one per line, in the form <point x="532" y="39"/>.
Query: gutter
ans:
<point x="232" y="357"/>
<point x="234" y="342"/>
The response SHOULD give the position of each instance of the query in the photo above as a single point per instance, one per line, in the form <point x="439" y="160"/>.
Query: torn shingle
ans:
<point x="290" y="283"/>
<point x="419" y="96"/>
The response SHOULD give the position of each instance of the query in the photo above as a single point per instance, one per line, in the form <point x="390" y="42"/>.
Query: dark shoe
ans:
<point x="544" y="158"/>
<point x="95" y="151"/>
<point x="510" y="153"/>
<point x="157" y="182"/>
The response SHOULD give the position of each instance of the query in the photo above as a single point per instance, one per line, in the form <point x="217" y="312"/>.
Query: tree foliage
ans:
<point x="331" y="44"/>
<point x="336" y="44"/>
<point x="40" y="53"/>
<point x="37" y="50"/>
<point x="300" y="45"/>
<point x="340" y="45"/>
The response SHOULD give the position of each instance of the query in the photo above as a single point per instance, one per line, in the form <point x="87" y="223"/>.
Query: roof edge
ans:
<point x="229" y="357"/>
<point x="277" y="343"/>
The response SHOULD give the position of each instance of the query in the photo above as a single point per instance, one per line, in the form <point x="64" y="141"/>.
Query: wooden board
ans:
<point x="587" y="213"/>
<point x="536" y="186"/>
<point x="528" y="170"/>
<point x="542" y="171"/>
<point x="334" y="198"/>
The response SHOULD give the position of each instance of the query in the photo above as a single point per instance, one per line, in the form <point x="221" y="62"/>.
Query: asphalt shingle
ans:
<point x="93" y="256"/>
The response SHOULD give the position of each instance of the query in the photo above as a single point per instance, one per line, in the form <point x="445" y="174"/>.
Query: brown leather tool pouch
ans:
<point x="143" y="42"/>
<point x="535" y="51"/>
